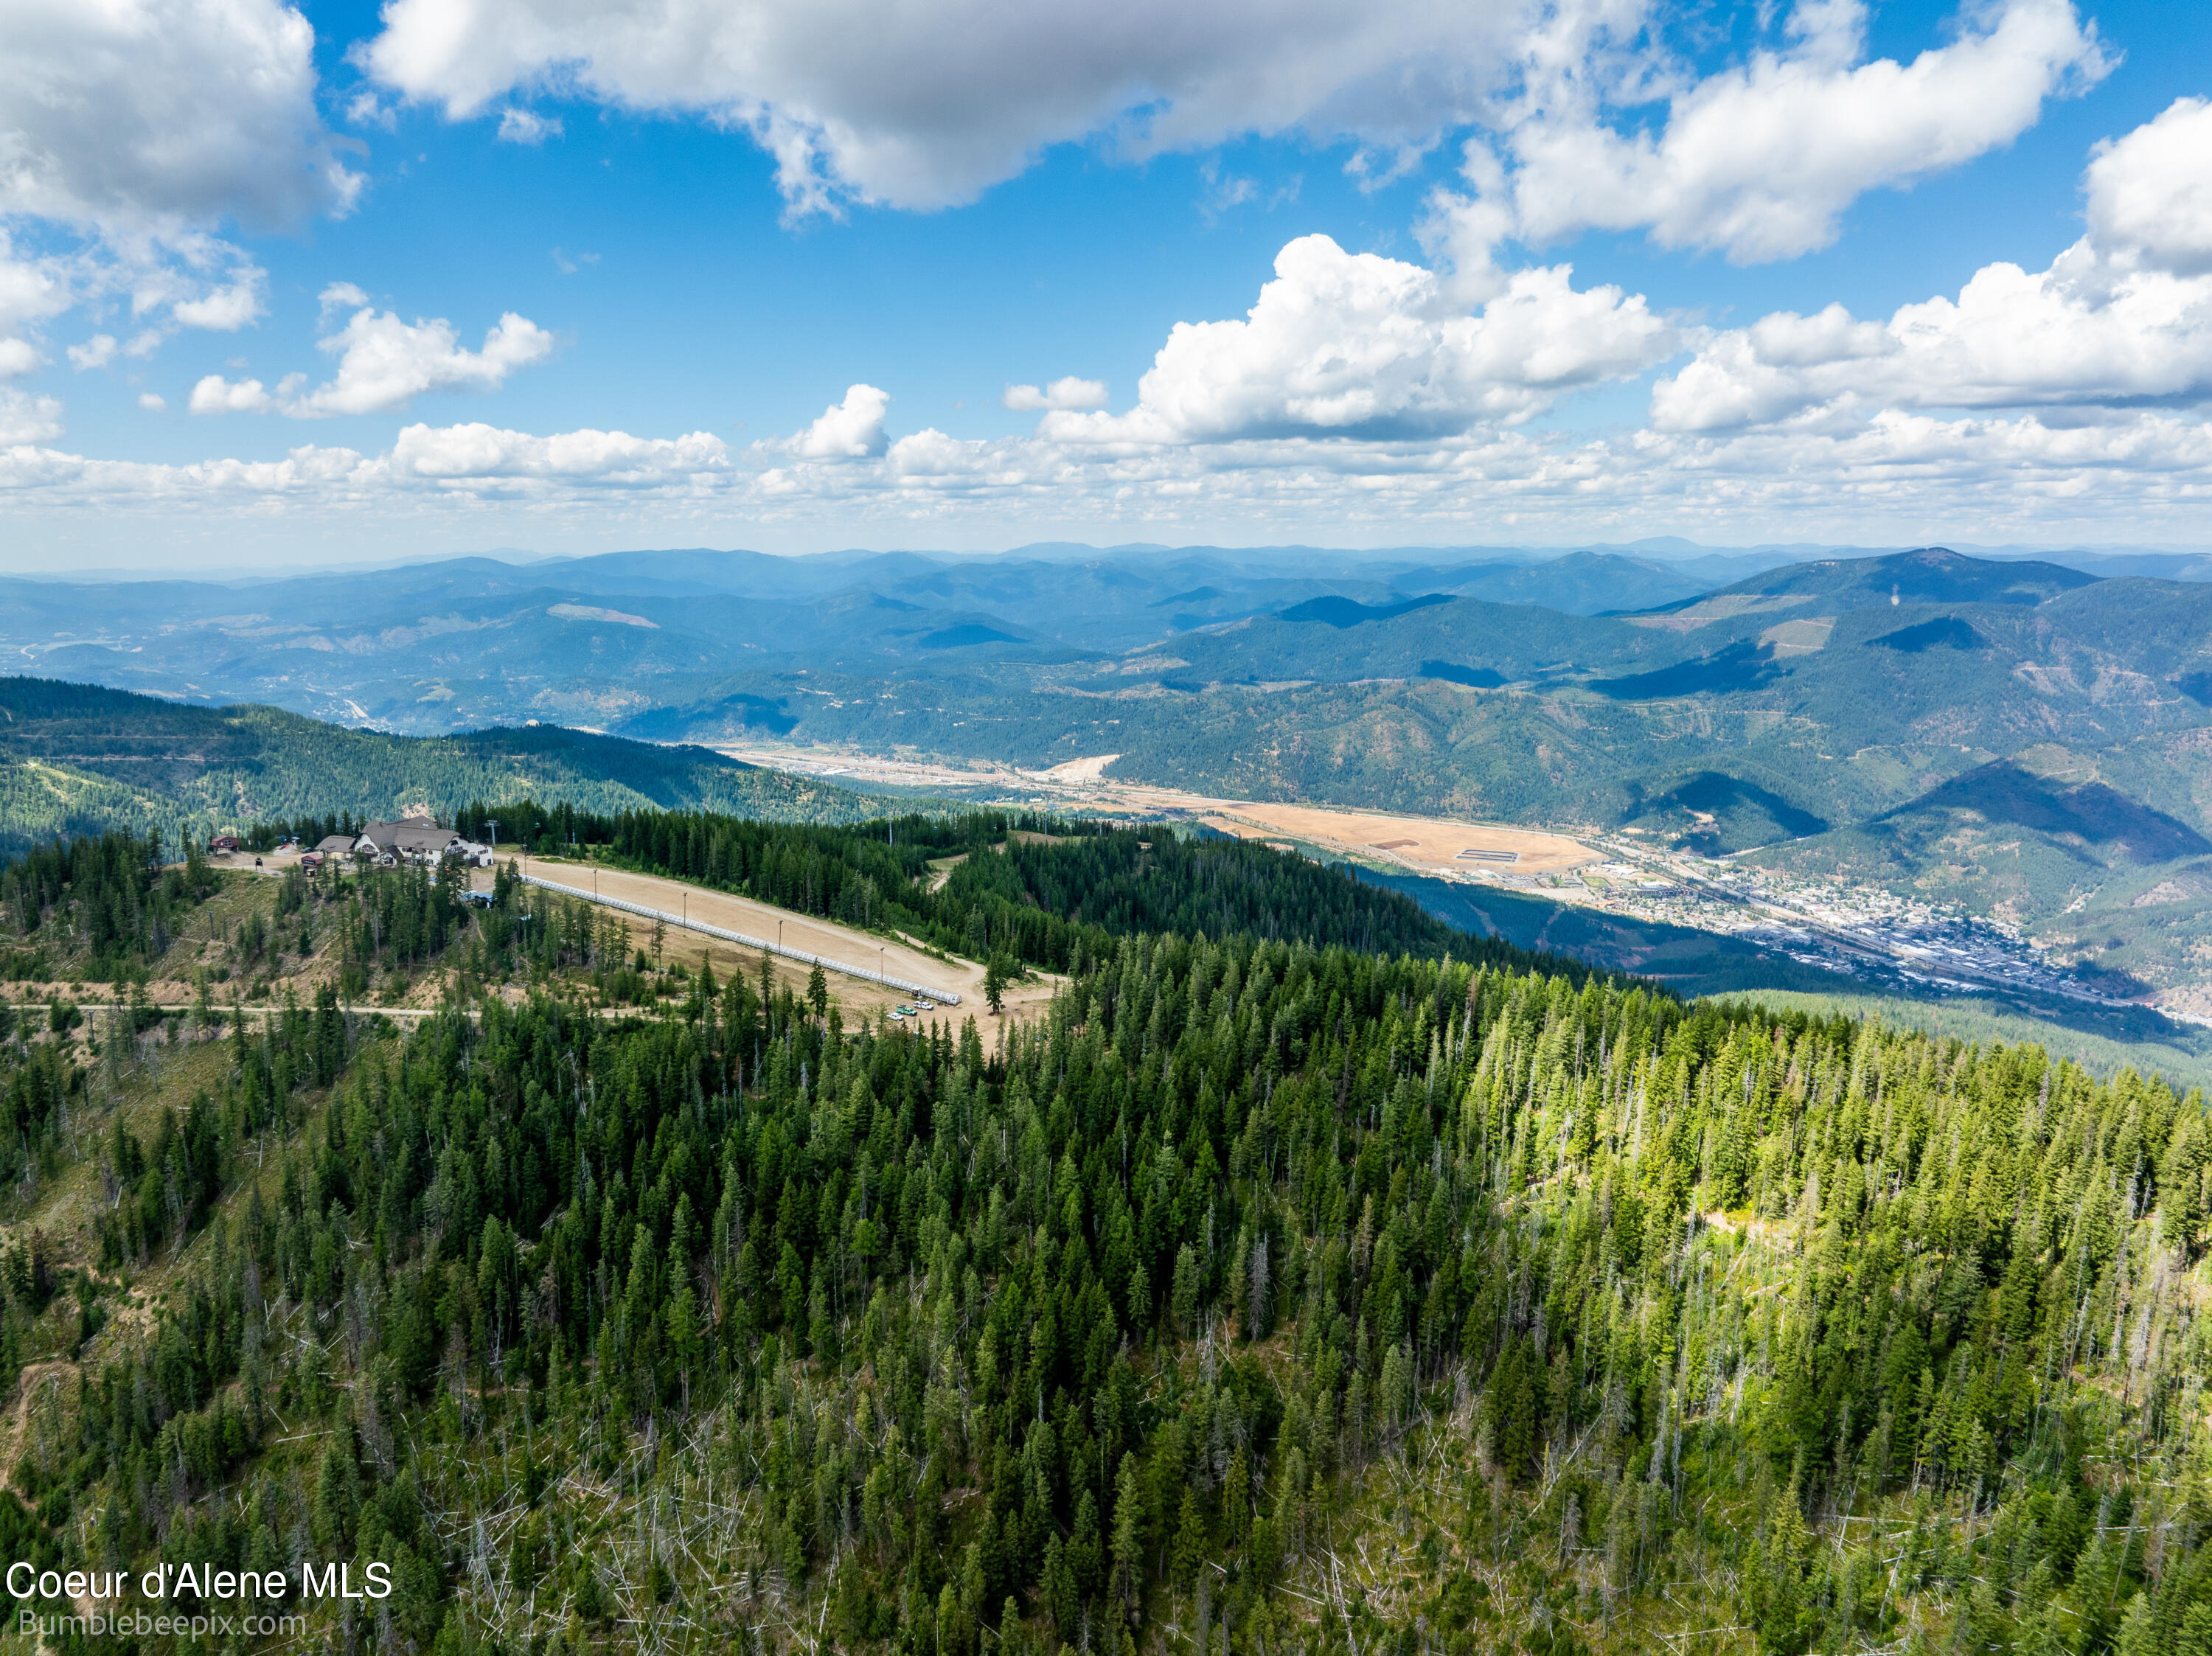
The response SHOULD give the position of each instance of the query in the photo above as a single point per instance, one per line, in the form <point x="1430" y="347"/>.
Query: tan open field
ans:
<point x="1423" y="843"/>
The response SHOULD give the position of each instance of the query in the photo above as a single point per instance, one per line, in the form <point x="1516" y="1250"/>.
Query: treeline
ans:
<point x="1037" y="889"/>
<point x="1111" y="1334"/>
<point x="310" y="830"/>
<point x="388" y="923"/>
<point x="165" y="1192"/>
<point x="105" y="909"/>
<point x="108" y="896"/>
<point x="1047" y="899"/>
<point x="820" y="866"/>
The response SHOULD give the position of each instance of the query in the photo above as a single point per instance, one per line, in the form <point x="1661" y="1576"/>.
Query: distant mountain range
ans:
<point x="2031" y="735"/>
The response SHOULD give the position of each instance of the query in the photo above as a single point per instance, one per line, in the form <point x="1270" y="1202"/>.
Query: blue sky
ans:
<point x="249" y="273"/>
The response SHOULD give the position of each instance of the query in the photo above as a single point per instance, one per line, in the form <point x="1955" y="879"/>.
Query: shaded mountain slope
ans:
<point x="2091" y="816"/>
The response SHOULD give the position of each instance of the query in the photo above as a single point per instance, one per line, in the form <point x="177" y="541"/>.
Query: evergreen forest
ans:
<point x="1294" y="1287"/>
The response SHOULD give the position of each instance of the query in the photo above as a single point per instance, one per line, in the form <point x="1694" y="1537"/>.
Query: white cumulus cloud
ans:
<point x="2144" y="472"/>
<point x="384" y="364"/>
<point x="97" y="352"/>
<point x="153" y="402"/>
<point x="849" y="430"/>
<point x="25" y="418"/>
<point x="226" y="309"/>
<point x="32" y="290"/>
<point x="1760" y="160"/>
<point x="461" y="453"/>
<point x="134" y="132"/>
<point x="365" y="108"/>
<point x="2124" y="316"/>
<point x="1069" y="392"/>
<point x="137" y="114"/>
<point x="216" y="395"/>
<point x="2152" y="190"/>
<point x="427" y="467"/>
<point x="927" y="106"/>
<point x="1358" y="345"/>
<point x="1359" y="391"/>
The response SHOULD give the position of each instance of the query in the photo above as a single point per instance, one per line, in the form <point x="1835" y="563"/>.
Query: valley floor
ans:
<point x="1867" y="936"/>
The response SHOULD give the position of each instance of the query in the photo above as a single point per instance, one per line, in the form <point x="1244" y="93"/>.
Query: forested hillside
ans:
<point x="77" y="759"/>
<point x="1260" y="1297"/>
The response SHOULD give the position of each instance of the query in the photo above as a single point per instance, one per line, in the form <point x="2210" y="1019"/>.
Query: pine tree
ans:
<point x="683" y="1319"/>
<point x="1061" y="1596"/>
<point x="1189" y="1545"/>
<point x="1786" y="1620"/>
<point x="1511" y="1404"/>
<point x="1128" y="1539"/>
<point x="1183" y="1295"/>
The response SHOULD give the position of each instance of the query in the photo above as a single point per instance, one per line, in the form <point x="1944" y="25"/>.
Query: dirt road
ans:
<point x="817" y="937"/>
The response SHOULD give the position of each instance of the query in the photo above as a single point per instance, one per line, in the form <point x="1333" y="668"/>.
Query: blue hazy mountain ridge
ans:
<point x="507" y="636"/>
<point x="712" y="611"/>
<point x="2034" y="651"/>
<point x="475" y="642"/>
<point x="1098" y="601"/>
<point x="1342" y="612"/>
<point x="434" y="645"/>
<point x="1316" y="642"/>
<point x="1795" y="710"/>
<point x="1581" y="583"/>
<point x="1930" y="574"/>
